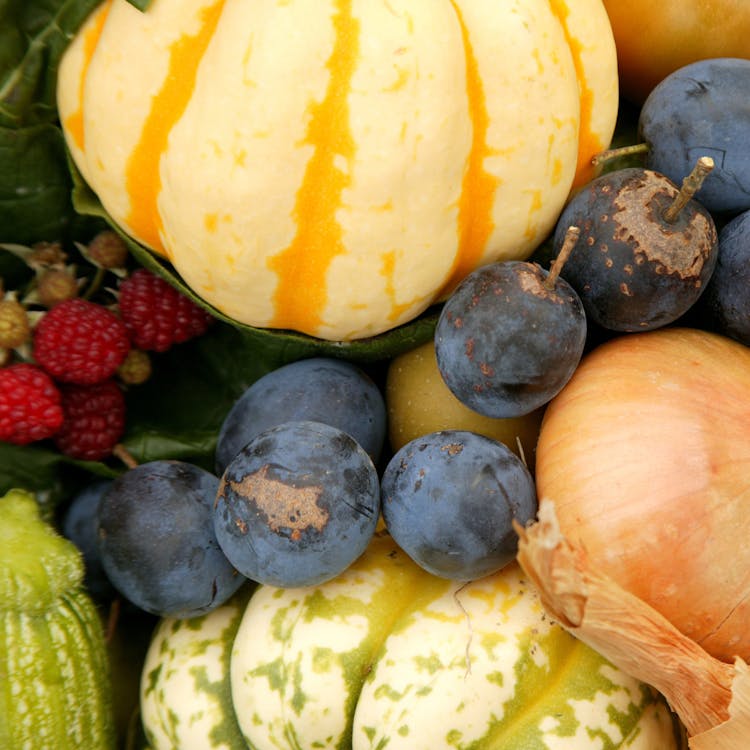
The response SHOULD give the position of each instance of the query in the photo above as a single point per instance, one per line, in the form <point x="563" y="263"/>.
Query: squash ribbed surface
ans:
<point x="54" y="670"/>
<point x="334" y="166"/>
<point x="301" y="655"/>
<point x="186" y="702"/>
<point x="483" y="667"/>
<point x="387" y="656"/>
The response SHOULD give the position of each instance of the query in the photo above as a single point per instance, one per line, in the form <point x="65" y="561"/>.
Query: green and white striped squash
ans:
<point x="387" y="656"/>
<point x="186" y="700"/>
<point x="55" y="688"/>
<point x="333" y="166"/>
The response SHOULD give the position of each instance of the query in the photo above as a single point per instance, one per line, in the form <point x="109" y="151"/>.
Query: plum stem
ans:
<point x="615" y="153"/>
<point x="690" y="186"/>
<point x="571" y="238"/>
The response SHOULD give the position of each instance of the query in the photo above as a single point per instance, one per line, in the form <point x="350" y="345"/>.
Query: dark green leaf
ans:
<point x="174" y="415"/>
<point x="140" y="4"/>
<point x="34" y="180"/>
<point x="626" y="136"/>
<point x="35" y="185"/>
<point x="46" y="472"/>
<point x="33" y="37"/>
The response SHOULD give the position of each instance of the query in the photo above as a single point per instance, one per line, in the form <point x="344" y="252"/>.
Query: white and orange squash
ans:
<point x="335" y="166"/>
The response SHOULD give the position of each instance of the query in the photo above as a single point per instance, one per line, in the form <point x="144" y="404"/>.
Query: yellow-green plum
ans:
<point x="419" y="402"/>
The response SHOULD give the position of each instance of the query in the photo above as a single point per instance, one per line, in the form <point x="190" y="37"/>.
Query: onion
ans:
<point x="711" y="697"/>
<point x="645" y="454"/>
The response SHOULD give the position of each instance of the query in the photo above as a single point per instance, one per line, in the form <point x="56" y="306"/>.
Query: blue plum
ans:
<point x="297" y="505"/>
<point x="449" y="499"/>
<point x="320" y="389"/>
<point x="727" y="296"/>
<point x="633" y="269"/>
<point x="507" y="341"/>
<point x="702" y="110"/>
<point x="157" y="542"/>
<point x="80" y="524"/>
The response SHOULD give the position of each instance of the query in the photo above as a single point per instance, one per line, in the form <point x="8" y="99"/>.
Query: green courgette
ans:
<point x="55" y="687"/>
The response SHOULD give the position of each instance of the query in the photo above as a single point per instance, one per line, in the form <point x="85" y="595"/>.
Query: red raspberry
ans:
<point x="94" y="420"/>
<point x="156" y="314"/>
<point x="29" y="404"/>
<point x="78" y="341"/>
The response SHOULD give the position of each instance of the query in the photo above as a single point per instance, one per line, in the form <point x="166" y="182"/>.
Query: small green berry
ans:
<point x="56" y="285"/>
<point x="15" y="329"/>
<point x="136" y="368"/>
<point x="46" y="254"/>
<point x="108" y="250"/>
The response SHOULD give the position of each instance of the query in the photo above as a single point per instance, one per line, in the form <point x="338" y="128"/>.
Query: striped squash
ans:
<point x="186" y="699"/>
<point x="387" y="656"/>
<point x="55" y="689"/>
<point x="336" y="166"/>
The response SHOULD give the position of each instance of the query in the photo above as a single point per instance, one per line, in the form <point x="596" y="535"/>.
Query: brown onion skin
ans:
<point x="646" y="456"/>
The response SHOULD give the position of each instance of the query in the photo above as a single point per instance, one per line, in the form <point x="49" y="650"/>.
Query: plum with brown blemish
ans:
<point x="509" y="337"/>
<point x="646" y="248"/>
<point x="449" y="500"/>
<point x="297" y="505"/>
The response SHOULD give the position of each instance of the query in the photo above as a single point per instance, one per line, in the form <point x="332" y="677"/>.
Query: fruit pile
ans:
<point x="70" y="345"/>
<point x="300" y="479"/>
<point x="304" y="465"/>
<point x="331" y="560"/>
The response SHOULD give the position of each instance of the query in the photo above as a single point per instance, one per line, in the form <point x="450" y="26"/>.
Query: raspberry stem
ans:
<point x="121" y="452"/>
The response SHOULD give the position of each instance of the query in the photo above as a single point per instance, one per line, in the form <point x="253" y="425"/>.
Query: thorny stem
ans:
<point x="690" y="186"/>
<point x="571" y="238"/>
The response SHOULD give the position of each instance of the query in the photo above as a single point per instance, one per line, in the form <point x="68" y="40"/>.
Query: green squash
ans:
<point x="55" y="689"/>
<point x="186" y="699"/>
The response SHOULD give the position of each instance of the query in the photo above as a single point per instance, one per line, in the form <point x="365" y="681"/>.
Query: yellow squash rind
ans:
<point x="335" y="166"/>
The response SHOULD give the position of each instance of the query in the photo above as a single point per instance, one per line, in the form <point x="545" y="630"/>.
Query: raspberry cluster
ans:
<point x="68" y="357"/>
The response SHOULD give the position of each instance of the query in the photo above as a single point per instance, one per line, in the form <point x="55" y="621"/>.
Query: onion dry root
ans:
<point x="711" y="697"/>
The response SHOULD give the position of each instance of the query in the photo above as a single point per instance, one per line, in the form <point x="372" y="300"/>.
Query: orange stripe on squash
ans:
<point x="143" y="178"/>
<point x="301" y="294"/>
<point x="475" y="223"/>
<point x="74" y="122"/>
<point x="388" y="270"/>
<point x="589" y="143"/>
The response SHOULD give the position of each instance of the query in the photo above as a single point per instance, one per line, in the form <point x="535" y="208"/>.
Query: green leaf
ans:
<point x="44" y="471"/>
<point x="140" y="4"/>
<point x="35" y="183"/>
<point x="176" y="414"/>
<point x="33" y="37"/>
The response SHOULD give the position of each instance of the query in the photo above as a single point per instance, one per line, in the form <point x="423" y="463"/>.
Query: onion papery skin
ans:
<point x="646" y="456"/>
